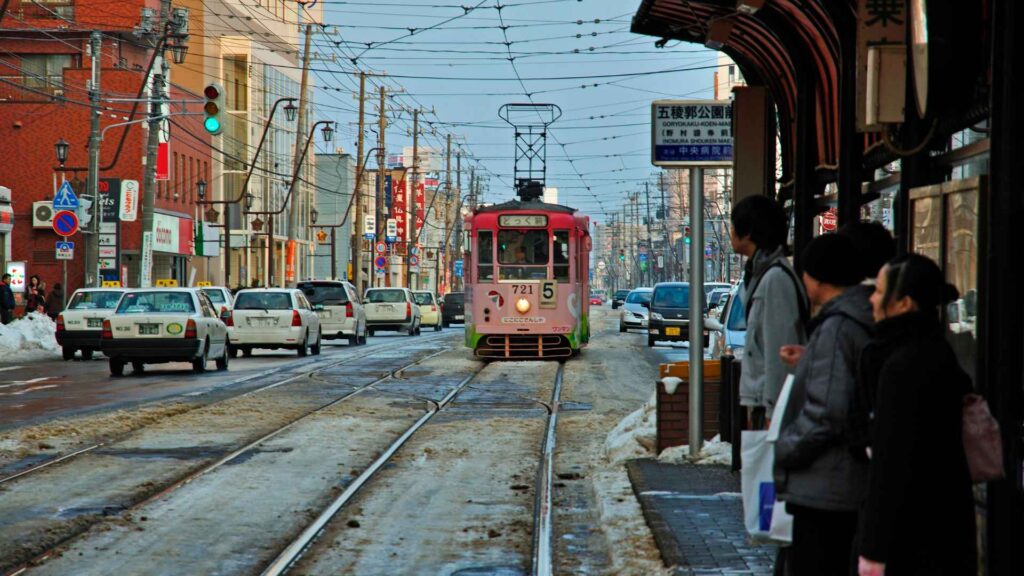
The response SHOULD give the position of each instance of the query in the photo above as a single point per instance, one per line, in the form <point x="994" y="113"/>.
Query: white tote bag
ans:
<point x="764" y="517"/>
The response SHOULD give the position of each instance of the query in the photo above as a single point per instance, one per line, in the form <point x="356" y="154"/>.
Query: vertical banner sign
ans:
<point x="110" y="229"/>
<point x="128" y="206"/>
<point x="147" y="259"/>
<point x="163" y="161"/>
<point x="289" y="261"/>
<point x="421" y="206"/>
<point x="691" y="133"/>
<point x="387" y="195"/>
<point x="879" y="24"/>
<point x="398" y="198"/>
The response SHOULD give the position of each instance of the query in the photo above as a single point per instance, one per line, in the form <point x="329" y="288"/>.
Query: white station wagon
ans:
<point x="157" y="325"/>
<point x="392" y="309"/>
<point x="273" y="318"/>
<point x="80" y="325"/>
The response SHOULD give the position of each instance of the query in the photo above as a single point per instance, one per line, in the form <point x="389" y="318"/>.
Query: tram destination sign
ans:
<point x="691" y="133"/>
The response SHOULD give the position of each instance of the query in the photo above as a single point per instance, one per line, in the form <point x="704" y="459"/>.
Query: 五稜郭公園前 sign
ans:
<point x="691" y="133"/>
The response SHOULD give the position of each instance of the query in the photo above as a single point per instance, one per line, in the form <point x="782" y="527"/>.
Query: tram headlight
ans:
<point x="523" y="305"/>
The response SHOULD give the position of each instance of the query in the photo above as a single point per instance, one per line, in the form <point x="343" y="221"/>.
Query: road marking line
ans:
<point x="26" y="390"/>
<point x="6" y="368"/>
<point x="13" y="383"/>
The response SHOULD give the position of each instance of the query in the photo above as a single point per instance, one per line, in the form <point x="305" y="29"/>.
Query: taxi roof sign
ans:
<point x="167" y="283"/>
<point x="111" y="284"/>
<point x="204" y="284"/>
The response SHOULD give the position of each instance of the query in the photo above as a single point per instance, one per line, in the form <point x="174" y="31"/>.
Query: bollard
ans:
<point x="725" y="400"/>
<point x="738" y="420"/>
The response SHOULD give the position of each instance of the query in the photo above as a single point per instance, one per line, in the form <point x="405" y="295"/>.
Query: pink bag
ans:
<point x="982" y="443"/>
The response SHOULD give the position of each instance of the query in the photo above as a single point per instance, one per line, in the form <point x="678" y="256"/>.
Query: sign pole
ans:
<point x="696" y="310"/>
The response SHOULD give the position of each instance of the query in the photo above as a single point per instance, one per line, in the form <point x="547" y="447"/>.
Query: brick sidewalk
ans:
<point x="696" y="516"/>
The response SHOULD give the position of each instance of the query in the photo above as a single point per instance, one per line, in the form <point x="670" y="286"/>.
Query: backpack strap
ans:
<point x="802" y="303"/>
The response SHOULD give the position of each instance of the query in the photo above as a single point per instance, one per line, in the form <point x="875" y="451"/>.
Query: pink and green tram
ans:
<point x="527" y="281"/>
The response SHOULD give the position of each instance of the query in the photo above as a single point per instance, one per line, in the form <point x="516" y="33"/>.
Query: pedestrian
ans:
<point x="55" y="301"/>
<point x="34" y="295"/>
<point x="918" y="517"/>
<point x="776" y="306"/>
<point x="7" y="302"/>
<point x="816" y="473"/>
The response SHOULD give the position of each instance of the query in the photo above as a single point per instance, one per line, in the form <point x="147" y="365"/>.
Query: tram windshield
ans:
<point x="523" y="255"/>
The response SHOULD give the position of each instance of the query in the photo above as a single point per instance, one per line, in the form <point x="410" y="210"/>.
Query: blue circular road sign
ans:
<point x="380" y="262"/>
<point x="65" y="223"/>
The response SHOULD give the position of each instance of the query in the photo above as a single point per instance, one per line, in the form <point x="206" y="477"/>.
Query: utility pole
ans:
<point x="457" y="217"/>
<point x="447" y="207"/>
<point x="650" y="239"/>
<point x="381" y="171"/>
<point x="152" y="144"/>
<point x="290" y="274"/>
<point x="92" y="260"/>
<point x="411" y="202"/>
<point x="357" y="226"/>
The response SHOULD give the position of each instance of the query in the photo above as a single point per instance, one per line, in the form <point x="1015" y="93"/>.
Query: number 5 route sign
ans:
<point x="65" y="223"/>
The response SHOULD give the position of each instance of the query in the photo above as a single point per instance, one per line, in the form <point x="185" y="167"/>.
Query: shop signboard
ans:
<point x="17" y="272"/>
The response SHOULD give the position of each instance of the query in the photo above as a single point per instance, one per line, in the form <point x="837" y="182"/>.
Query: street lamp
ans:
<point x="313" y="215"/>
<point x="290" y="110"/>
<point x="201" y="190"/>
<point x="178" y="51"/>
<point x="62" y="151"/>
<point x="328" y="132"/>
<point x="248" y="200"/>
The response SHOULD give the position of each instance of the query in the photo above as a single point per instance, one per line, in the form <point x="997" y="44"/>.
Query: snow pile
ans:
<point x="713" y="451"/>
<point x="635" y="435"/>
<point x="29" y="338"/>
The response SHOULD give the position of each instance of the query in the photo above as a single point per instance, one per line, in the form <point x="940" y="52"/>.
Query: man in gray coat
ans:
<point x="775" y="303"/>
<point x="816" y="471"/>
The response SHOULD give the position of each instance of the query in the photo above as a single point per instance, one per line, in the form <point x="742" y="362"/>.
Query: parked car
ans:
<point x="80" y="325"/>
<point x="711" y="287"/>
<point x="669" y="318"/>
<point x="634" y="312"/>
<point x="273" y="318"/>
<point x="729" y="330"/>
<point x="430" y="309"/>
<point x="221" y="297"/>
<point x="392" y="309"/>
<point x="156" y="325"/>
<point x="596" y="300"/>
<point x="453" y="308"/>
<point x="342" y="314"/>
<point x="619" y="298"/>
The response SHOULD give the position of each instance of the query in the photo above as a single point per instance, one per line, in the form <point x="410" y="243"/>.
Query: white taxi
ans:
<point x="157" y="325"/>
<point x="391" y="309"/>
<point x="273" y="318"/>
<point x="80" y="325"/>
<point x="336" y="303"/>
<point x="220" y="297"/>
<point x="430" y="311"/>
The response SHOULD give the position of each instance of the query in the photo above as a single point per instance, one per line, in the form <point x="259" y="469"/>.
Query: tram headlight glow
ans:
<point x="523" y="305"/>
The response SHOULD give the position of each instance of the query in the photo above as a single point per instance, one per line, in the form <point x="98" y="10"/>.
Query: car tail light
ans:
<point x="60" y="322"/>
<point x="433" y="308"/>
<point x="408" y="310"/>
<point x="228" y="317"/>
<point x="348" y="310"/>
<point x="190" y="330"/>
<point x="108" y="332"/>
<point x="296" y="319"/>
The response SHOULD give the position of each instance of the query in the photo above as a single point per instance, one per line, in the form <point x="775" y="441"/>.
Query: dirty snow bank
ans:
<point x="29" y="338"/>
<point x="631" y="545"/>
<point x="713" y="451"/>
<point x="635" y="435"/>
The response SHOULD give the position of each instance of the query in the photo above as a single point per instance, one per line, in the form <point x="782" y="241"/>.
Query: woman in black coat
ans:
<point x="918" y="517"/>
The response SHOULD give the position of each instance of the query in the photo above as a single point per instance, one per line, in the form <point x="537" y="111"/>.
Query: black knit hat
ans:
<point x="832" y="259"/>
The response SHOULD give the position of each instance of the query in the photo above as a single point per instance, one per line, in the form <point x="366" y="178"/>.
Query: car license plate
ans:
<point x="386" y="307"/>
<point x="94" y="322"/>
<point x="261" y="322"/>
<point x="460" y="317"/>
<point x="669" y="331"/>
<point x="324" y="313"/>
<point x="149" y="329"/>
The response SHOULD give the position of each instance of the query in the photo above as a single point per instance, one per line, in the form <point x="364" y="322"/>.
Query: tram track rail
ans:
<point x="249" y="447"/>
<point x="363" y="353"/>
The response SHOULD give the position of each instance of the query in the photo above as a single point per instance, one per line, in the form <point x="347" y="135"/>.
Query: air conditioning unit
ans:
<point x="42" y="214"/>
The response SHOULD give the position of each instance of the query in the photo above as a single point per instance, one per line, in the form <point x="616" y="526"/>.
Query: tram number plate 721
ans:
<point x="520" y="289"/>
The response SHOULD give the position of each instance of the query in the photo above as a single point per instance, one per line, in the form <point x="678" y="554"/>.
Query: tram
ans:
<point x="527" y="282"/>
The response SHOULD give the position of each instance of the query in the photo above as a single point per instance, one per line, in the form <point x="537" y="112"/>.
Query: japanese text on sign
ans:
<point x="691" y="132"/>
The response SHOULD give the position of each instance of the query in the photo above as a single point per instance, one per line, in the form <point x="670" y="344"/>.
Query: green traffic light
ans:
<point x="687" y="240"/>
<point x="212" y="125"/>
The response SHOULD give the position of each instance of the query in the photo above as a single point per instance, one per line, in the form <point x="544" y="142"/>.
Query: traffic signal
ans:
<point x="213" y="108"/>
<point x="622" y="255"/>
<point x="686" y="234"/>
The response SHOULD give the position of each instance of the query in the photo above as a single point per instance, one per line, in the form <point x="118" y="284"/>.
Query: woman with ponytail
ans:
<point x="918" y="517"/>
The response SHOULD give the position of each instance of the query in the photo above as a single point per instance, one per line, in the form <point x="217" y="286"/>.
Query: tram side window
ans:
<point x="523" y="255"/>
<point x="485" y="256"/>
<point x="560" y="255"/>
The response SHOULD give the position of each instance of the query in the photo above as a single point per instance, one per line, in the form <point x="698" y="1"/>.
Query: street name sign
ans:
<point x="65" y="198"/>
<point x="691" y="133"/>
<point x="65" y="251"/>
<point x="65" y="223"/>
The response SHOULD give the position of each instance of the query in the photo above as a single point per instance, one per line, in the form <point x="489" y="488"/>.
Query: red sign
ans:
<point x="421" y="206"/>
<point x="65" y="223"/>
<point x="399" y="190"/>
<point x="829" y="220"/>
<point x="289" y="261"/>
<point x="163" y="161"/>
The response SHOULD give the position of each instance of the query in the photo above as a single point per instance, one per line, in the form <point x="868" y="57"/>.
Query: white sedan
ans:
<point x="273" y="318"/>
<point x="157" y="325"/>
<point x="80" y="325"/>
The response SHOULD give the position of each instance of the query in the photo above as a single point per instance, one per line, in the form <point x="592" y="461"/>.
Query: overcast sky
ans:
<point x="576" y="54"/>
